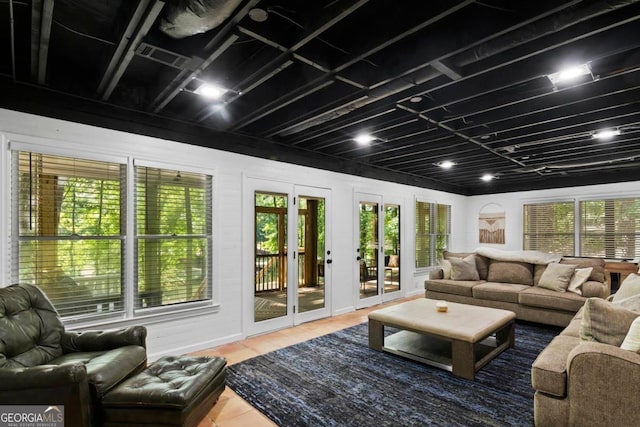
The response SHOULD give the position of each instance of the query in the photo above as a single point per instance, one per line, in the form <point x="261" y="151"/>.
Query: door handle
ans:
<point x="329" y="261"/>
<point x="358" y="258"/>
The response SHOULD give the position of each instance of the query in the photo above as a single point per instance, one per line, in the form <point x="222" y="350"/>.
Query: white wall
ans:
<point x="512" y="204"/>
<point x="225" y="324"/>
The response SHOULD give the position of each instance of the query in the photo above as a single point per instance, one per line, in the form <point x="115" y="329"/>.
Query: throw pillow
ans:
<point x="629" y="287"/>
<point x="445" y="264"/>
<point x="464" y="268"/>
<point x="631" y="303"/>
<point x="510" y="272"/>
<point x="577" y="280"/>
<point x="605" y="322"/>
<point x="482" y="263"/>
<point x="556" y="277"/>
<point x="597" y="275"/>
<point x="632" y="340"/>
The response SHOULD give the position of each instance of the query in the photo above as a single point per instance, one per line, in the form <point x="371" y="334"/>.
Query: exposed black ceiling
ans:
<point x="464" y="81"/>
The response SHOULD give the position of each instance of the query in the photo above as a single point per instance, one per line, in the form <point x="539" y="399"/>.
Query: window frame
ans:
<point x="580" y="226"/>
<point x="432" y="234"/>
<point x="578" y="217"/>
<point x="543" y="203"/>
<point x="212" y="268"/>
<point x="13" y="144"/>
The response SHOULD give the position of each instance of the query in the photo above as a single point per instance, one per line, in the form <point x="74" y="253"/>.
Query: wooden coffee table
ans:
<point x="462" y="340"/>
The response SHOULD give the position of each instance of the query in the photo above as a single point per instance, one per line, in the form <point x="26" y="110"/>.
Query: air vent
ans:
<point x="167" y="57"/>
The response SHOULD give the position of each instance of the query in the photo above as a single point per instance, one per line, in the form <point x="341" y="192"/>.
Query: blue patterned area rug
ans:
<point x="336" y="380"/>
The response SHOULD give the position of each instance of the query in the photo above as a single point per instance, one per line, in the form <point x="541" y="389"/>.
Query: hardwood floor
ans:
<point x="233" y="411"/>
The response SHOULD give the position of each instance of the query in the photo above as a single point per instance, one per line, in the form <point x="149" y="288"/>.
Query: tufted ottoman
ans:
<point x="173" y="391"/>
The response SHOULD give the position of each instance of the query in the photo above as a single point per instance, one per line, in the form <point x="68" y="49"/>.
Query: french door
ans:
<point x="290" y="266"/>
<point x="377" y="256"/>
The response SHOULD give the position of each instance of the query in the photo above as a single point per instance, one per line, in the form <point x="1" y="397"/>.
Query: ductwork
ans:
<point x="389" y="89"/>
<point x="184" y="18"/>
<point x="540" y="28"/>
<point x="554" y="22"/>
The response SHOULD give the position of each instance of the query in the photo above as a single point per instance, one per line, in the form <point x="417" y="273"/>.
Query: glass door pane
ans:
<point x="368" y="249"/>
<point x="391" y="248"/>
<point x="270" y="286"/>
<point x="311" y="253"/>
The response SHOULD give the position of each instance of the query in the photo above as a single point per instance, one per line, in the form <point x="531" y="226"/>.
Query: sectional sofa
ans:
<point x="589" y="375"/>
<point x="534" y="285"/>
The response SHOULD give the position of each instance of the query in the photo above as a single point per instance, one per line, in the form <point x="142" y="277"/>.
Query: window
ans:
<point x="433" y="228"/>
<point x="70" y="217"/>
<point x="173" y="217"/>
<point x="610" y="228"/>
<point x="549" y="227"/>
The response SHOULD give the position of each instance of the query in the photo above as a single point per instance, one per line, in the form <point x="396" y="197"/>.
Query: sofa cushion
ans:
<point x="549" y="370"/>
<point x="456" y="287"/>
<point x="464" y="268"/>
<point x="580" y="276"/>
<point x="482" y="263"/>
<point x="545" y="298"/>
<point x="605" y="322"/>
<point x="597" y="274"/>
<point x="510" y="272"/>
<point x="507" y="292"/>
<point x="556" y="277"/>
<point x="106" y="369"/>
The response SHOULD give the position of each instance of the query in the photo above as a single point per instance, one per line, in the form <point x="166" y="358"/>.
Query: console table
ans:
<point x="621" y="268"/>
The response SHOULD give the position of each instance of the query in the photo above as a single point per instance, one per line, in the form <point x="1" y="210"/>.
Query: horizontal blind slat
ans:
<point x="173" y="216"/>
<point x="70" y="241"/>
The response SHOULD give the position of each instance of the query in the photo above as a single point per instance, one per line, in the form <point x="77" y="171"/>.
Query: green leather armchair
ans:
<point x="42" y="364"/>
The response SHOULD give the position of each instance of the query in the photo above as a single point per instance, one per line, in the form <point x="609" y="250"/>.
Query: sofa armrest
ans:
<point x="436" y="273"/>
<point x="602" y="383"/>
<point x="74" y="341"/>
<point x="53" y="385"/>
<point x="592" y="288"/>
<point x="41" y="376"/>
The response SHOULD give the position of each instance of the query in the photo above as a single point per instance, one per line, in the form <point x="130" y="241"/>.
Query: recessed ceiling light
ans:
<point x="415" y="99"/>
<point x="258" y="15"/>
<point x="363" y="138"/>
<point x="210" y="91"/>
<point x="446" y="164"/>
<point x="606" y="133"/>
<point x="567" y="75"/>
<point x="487" y="177"/>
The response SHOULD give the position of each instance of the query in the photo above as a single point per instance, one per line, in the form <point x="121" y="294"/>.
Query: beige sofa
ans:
<point x="585" y="378"/>
<point x="510" y="280"/>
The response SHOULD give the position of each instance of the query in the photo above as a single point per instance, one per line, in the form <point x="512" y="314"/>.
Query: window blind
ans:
<point x="549" y="227"/>
<point x="443" y="231"/>
<point x="423" y="234"/>
<point x="433" y="228"/>
<point x="69" y="216"/>
<point x="610" y="228"/>
<point x="173" y="238"/>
